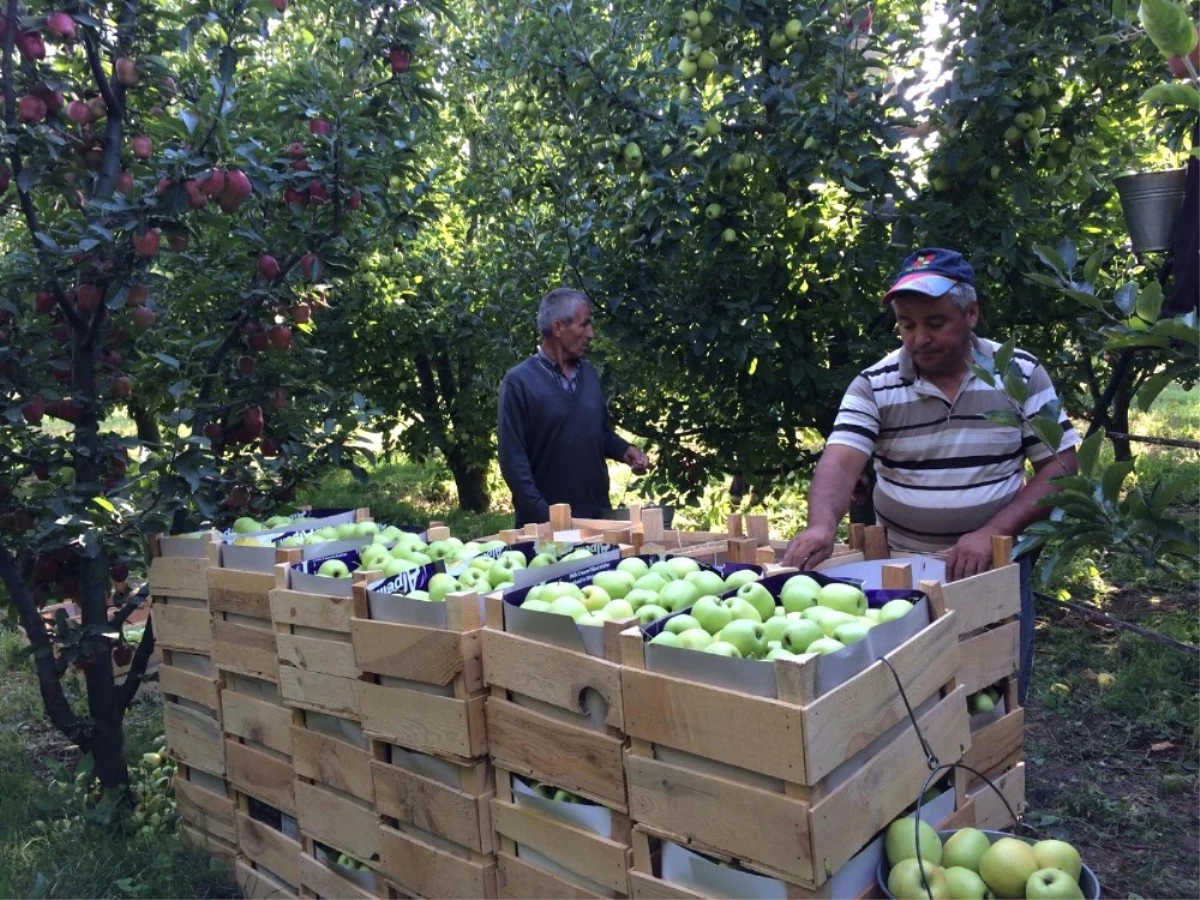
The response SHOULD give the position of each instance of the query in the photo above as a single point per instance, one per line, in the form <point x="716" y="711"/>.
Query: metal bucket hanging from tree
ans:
<point x="1151" y="202"/>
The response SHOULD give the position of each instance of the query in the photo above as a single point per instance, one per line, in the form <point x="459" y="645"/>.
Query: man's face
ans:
<point x="575" y="336"/>
<point x="935" y="333"/>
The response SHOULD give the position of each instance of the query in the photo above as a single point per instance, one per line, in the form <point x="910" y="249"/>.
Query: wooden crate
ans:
<point x="792" y="787"/>
<point x="592" y="864"/>
<point x="205" y="804"/>
<point x="210" y="845"/>
<point x="421" y="864"/>
<point x="338" y="757"/>
<point x="561" y="745"/>
<point x="986" y="810"/>
<point x="339" y="820"/>
<point x="263" y="842"/>
<point x="179" y="592"/>
<point x="438" y="705"/>
<point x="255" y="883"/>
<point x="258" y="740"/>
<point x="316" y="665"/>
<point x="321" y="879"/>
<point x="192" y="719"/>
<point x="447" y="797"/>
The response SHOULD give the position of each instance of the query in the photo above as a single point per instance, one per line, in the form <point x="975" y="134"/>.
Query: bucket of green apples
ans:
<point x="970" y="864"/>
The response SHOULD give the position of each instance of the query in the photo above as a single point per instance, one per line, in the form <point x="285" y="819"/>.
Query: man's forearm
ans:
<point x="833" y="485"/>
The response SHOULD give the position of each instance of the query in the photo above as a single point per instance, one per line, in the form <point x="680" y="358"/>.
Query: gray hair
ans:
<point x="962" y="295"/>
<point x="559" y="305"/>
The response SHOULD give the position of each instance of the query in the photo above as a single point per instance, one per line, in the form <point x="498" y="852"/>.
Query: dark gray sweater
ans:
<point x="553" y="444"/>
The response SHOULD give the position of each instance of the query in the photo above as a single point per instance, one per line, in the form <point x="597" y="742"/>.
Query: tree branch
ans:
<point x="137" y="668"/>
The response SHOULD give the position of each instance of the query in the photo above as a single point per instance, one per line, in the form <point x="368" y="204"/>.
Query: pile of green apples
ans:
<point x="635" y="589"/>
<point x="751" y="624"/>
<point x="347" y="531"/>
<point x="550" y="792"/>
<point x="249" y="525"/>
<point x="970" y="867"/>
<point x="983" y="701"/>
<point x="346" y="861"/>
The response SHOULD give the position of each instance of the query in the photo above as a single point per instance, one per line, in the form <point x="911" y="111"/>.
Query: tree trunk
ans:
<point x="1120" y="420"/>
<point x="471" y="482"/>
<point x="147" y="425"/>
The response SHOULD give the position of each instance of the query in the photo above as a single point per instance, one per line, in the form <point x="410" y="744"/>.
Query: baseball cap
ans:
<point x="931" y="271"/>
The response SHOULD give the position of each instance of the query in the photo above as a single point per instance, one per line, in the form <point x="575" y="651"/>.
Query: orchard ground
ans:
<point x="1112" y="770"/>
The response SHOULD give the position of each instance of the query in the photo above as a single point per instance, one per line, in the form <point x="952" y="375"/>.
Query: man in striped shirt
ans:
<point x="947" y="477"/>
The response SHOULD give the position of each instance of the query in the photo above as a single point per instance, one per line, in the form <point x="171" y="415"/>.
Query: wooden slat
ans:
<point x="551" y="674"/>
<point x="426" y="722"/>
<point x="427" y="655"/>
<point x="261" y="774"/>
<point x="255" y="885"/>
<point x="176" y="682"/>
<point x="178" y="576"/>
<point x="340" y="821"/>
<point x="243" y="648"/>
<point x="257" y="720"/>
<point x="178" y="627"/>
<point x="325" y="693"/>
<point x="990" y="811"/>
<point x="325" y="613"/>
<point x="240" y="592"/>
<point x="990" y="656"/>
<point x="434" y="807"/>
<point x="264" y="845"/>
<point x="328" y="657"/>
<point x="430" y="872"/>
<point x="647" y="887"/>
<point x="985" y="599"/>
<point x="330" y="761"/>
<point x="194" y="738"/>
<point x="588" y="855"/>
<point x="521" y="880"/>
<point x="997" y="742"/>
<point x="317" y="879"/>
<point x="205" y="842"/>
<point x="579" y="760"/>
<point x="205" y="810"/>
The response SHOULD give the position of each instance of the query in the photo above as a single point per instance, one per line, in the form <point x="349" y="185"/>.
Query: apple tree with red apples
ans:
<point x="185" y="192"/>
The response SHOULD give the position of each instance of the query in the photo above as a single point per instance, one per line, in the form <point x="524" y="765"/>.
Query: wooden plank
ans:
<point x="430" y="872"/>
<point x="990" y="656"/>
<point x="258" y="720"/>
<point x="268" y="847"/>
<point x="243" y="648"/>
<point x="755" y="733"/>
<point x="319" y="880"/>
<point x="194" y="738"/>
<point x="206" y="810"/>
<point x="985" y="599"/>
<point x="875" y="545"/>
<point x="585" y="853"/>
<point x="990" y="811"/>
<point x="328" y="657"/>
<point x="256" y="885"/>
<point x="325" y="693"/>
<point x="240" y="592"/>
<point x="179" y="627"/>
<point x="580" y="760"/>
<point x="993" y="744"/>
<point x="430" y="723"/>
<point x="851" y="813"/>
<point x="338" y="820"/>
<point x="647" y="887"/>
<point x="176" y="682"/>
<point x="963" y="817"/>
<point x="178" y="576"/>
<point x="433" y="806"/>
<point x="261" y="774"/>
<point x="336" y="763"/>
<point x="325" y="613"/>
<point x="210" y="844"/>
<point x="427" y="655"/>
<point x="521" y="880"/>
<point x="842" y="722"/>
<point x="551" y="674"/>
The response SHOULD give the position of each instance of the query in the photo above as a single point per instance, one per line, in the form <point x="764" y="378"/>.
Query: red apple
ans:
<point x="238" y="497"/>
<point x="237" y="189"/>
<point x="399" y="58"/>
<point x="88" y="297"/>
<point x="301" y="313"/>
<point x="355" y="200"/>
<point x="214" y="432"/>
<point x="268" y="267"/>
<point x="43" y="302"/>
<point x="41" y="472"/>
<point x="1179" y="68"/>
<point x="125" y="182"/>
<point x="258" y="342"/>
<point x="296" y="150"/>
<point x="168" y="85"/>
<point x="142" y="147"/>
<point x="5" y="178"/>
<point x="178" y="242"/>
<point x="245" y="365"/>
<point x="319" y="126"/>
<point x="280" y="5"/>
<point x="31" y="108"/>
<point x="69" y="410"/>
<point x="317" y="194"/>
<point x="122" y="387"/>
<point x="123" y="655"/>
<point x="147" y="243"/>
<point x="45" y="568"/>
<point x="53" y="99"/>
<point x="279" y="399"/>
<point x="30" y="45"/>
<point x="292" y="195"/>
<point x="310" y="266"/>
<point x="300" y="165"/>
<point x="142" y="317"/>
<point x="137" y="296"/>
<point x="127" y="72"/>
<point x="213" y="183"/>
<point x="62" y="333"/>
<point x="164" y="185"/>
<point x="61" y="26"/>
<point x="79" y="112"/>
<point x="252" y="422"/>
<point x="270" y="447"/>
<point x="34" y="410"/>
<point x="280" y="337"/>
<point x="99" y="107"/>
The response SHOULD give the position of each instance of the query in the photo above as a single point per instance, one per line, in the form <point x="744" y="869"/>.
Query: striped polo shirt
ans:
<point x="942" y="469"/>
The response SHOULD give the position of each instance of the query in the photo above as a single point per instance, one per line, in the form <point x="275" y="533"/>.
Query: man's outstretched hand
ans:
<point x="636" y="460"/>
<point x="809" y="548"/>
<point x="970" y="556"/>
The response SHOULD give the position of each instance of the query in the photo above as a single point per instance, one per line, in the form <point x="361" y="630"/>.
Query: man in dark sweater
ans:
<point x="555" y="433"/>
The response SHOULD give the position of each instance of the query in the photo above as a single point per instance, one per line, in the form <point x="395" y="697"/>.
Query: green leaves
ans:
<point x="1173" y="94"/>
<point x="1169" y="26"/>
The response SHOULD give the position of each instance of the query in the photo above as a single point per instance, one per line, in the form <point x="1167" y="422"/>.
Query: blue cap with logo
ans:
<point x="931" y="271"/>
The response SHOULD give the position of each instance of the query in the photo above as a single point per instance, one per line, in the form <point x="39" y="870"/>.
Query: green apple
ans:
<point x="901" y="841"/>
<point x="516" y="557"/>
<point x="712" y="613"/>
<point x="695" y="639"/>
<point x="779" y="613"/>
<point x="666" y="639"/>
<point x="651" y="581"/>
<point x="743" y="609"/>
<point x="327" y="533"/>
<point x="246" y="525"/>
<point x="616" y="610"/>
<point x="721" y="648"/>
<point x="905" y="881"/>
<point x="640" y="597"/>
<point x="894" y="609"/>
<point x="799" y="593"/>
<point x="1006" y="867"/>
<point x="616" y="583"/>
<point x="334" y="568"/>
<point x="472" y="579"/>
<point x="681" y="623"/>
<point x="843" y="597"/>
<point x="964" y="848"/>
<point x="295" y="540"/>
<point x="423" y="596"/>
<point x="831" y="622"/>
<point x="651" y="612"/>
<point x="664" y="569"/>
<point x="391" y="533"/>
<point x="1058" y="855"/>
<point x="778" y="653"/>
<point x="706" y="582"/>
<point x="568" y="606"/>
<point x="634" y="566"/>
<point x="868" y="621"/>
<point x="774" y="628"/>
<point x="678" y="595"/>
<point x="1052" y="884"/>
<point x="542" y="560"/>
<point x="593" y="618"/>
<point x="742" y="576"/>
<point x="683" y="566"/>
<point x="800" y="635"/>
<point x="375" y="559"/>
<point x="502" y="570"/>
<point x="483" y="563"/>
<point x="981" y="703"/>
<point x="535" y="605"/>
<point x="759" y="597"/>
<point x="442" y="584"/>
<point x="595" y="597"/>
<point x="964" y="883"/>
<point x="577" y="553"/>
<point x="825" y="646"/>
<point x="396" y="566"/>
<point x="749" y="637"/>
<point x="346" y="531"/>
<point x="365" y="529"/>
<point x="792" y="29"/>
<point x="872" y="614"/>
<point x="277" y="522"/>
<point x="850" y="632"/>
<point x="555" y="589"/>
